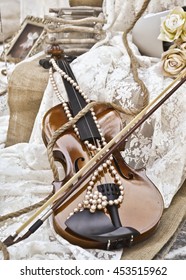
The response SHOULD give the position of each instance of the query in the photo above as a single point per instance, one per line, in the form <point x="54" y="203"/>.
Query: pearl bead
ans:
<point x="94" y="148"/>
<point x="111" y="202"/>
<point x="85" y="202"/>
<point x="104" y="203"/>
<point x="95" y="173"/>
<point x="118" y="182"/>
<point x="100" y="195"/>
<point x="100" y="168"/>
<point x="94" y="201"/>
<point x="95" y="196"/>
<point x="99" y="200"/>
<point x="108" y="162"/>
<point x="93" y="207"/>
<point x="114" y="172"/>
<point x="87" y="197"/>
<point x="104" y="165"/>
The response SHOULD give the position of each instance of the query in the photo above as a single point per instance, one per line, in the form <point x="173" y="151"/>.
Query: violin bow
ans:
<point x="100" y="157"/>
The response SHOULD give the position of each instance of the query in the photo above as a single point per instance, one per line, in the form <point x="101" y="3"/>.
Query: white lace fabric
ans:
<point x="160" y="142"/>
<point x="159" y="145"/>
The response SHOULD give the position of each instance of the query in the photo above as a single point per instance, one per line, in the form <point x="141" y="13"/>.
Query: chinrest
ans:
<point x="97" y="226"/>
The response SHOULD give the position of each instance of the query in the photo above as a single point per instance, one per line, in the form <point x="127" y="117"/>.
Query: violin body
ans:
<point x="142" y="206"/>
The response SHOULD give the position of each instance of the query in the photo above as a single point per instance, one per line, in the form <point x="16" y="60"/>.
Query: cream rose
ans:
<point x="172" y="25"/>
<point x="174" y="60"/>
<point x="183" y="49"/>
<point x="183" y="34"/>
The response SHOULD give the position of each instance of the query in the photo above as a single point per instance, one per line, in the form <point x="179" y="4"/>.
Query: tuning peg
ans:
<point x="45" y="63"/>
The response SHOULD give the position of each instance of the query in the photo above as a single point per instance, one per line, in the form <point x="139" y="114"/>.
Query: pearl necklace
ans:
<point x="93" y="199"/>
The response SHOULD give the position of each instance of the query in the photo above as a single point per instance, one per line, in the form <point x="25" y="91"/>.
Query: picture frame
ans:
<point x="27" y="41"/>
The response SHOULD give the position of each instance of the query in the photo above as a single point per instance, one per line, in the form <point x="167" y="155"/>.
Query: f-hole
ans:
<point x="77" y="162"/>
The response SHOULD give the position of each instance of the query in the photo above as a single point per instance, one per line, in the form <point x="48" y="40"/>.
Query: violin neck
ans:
<point x="86" y="125"/>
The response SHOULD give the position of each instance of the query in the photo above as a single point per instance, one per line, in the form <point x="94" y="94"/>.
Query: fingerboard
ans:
<point x="86" y="125"/>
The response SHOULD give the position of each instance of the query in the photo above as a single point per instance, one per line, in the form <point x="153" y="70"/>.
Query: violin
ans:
<point x="116" y="206"/>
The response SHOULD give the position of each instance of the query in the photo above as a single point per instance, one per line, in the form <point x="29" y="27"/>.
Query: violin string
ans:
<point x="75" y="93"/>
<point x="64" y="104"/>
<point x="91" y="153"/>
<point x="88" y="202"/>
<point x="68" y="69"/>
<point x="60" y="97"/>
<point x="108" y="167"/>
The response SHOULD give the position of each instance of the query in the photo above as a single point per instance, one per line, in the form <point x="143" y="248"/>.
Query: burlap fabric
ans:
<point x="25" y="91"/>
<point x="169" y="225"/>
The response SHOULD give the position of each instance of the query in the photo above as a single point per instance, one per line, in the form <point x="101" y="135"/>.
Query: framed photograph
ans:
<point x="27" y="41"/>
